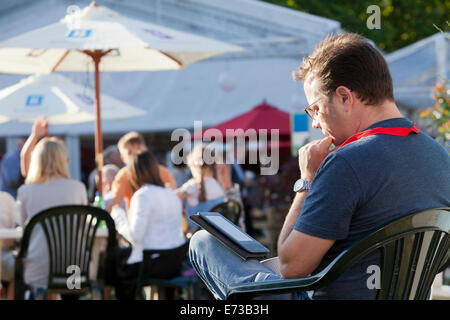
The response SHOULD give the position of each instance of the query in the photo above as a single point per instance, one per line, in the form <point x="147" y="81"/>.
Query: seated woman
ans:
<point x="203" y="191"/>
<point x="7" y="221"/>
<point x="47" y="184"/>
<point x="154" y="222"/>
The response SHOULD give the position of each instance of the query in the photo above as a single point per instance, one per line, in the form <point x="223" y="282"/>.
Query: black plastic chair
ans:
<point x="413" y="248"/>
<point x="70" y="233"/>
<point x="162" y="269"/>
<point x="230" y="209"/>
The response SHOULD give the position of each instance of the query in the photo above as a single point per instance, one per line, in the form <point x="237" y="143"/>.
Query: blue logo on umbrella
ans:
<point x="158" y="33"/>
<point x="34" y="100"/>
<point x="79" y="33"/>
<point x="86" y="99"/>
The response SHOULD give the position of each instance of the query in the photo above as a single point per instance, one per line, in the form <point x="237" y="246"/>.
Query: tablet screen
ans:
<point x="228" y="228"/>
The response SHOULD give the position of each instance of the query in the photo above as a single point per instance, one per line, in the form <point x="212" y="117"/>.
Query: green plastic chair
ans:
<point x="158" y="262"/>
<point x="230" y="209"/>
<point x="413" y="248"/>
<point x="70" y="233"/>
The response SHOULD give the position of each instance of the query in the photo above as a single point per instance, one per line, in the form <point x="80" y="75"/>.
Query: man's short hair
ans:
<point x="131" y="138"/>
<point x="109" y="171"/>
<point x="110" y="150"/>
<point x="349" y="60"/>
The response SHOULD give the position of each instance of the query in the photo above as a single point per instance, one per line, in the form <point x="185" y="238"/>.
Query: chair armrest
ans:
<point x="270" y="287"/>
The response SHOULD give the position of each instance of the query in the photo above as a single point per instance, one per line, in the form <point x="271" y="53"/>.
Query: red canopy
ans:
<point x="263" y="116"/>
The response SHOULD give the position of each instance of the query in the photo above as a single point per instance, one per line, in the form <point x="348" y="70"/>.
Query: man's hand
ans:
<point x="310" y="157"/>
<point x="40" y="127"/>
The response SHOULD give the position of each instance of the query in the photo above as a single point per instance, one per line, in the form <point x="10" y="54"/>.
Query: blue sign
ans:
<point x="300" y="122"/>
<point x="299" y="131"/>
<point x="34" y="100"/>
<point x="79" y="33"/>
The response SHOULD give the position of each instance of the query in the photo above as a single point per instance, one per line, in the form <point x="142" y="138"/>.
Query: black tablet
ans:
<point x="234" y="233"/>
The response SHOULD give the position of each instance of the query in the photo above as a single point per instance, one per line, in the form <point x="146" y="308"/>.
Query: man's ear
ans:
<point x="345" y="97"/>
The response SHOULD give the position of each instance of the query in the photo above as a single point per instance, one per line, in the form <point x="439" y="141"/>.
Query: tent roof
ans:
<point x="416" y="68"/>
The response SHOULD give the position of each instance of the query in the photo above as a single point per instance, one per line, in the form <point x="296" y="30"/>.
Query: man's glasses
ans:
<point x="312" y="113"/>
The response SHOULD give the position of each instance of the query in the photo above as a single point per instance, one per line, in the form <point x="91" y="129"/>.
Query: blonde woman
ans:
<point x="203" y="191"/>
<point x="47" y="184"/>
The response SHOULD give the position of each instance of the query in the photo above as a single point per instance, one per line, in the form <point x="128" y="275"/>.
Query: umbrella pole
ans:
<point x="98" y="122"/>
<point x="97" y="55"/>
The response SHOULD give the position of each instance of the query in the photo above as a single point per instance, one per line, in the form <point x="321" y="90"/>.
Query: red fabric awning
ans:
<point x="263" y="116"/>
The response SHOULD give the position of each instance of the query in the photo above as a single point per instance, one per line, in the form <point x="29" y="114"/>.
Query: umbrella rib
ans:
<point x="174" y="59"/>
<point x="59" y="61"/>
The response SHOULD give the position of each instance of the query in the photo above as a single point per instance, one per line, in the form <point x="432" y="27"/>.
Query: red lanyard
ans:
<point x="401" y="132"/>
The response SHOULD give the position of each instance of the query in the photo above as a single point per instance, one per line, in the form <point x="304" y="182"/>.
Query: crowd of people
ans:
<point x="149" y="203"/>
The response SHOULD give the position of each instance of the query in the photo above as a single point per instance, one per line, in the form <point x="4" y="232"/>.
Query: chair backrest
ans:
<point x="70" y="233"/>
<point x="230" y="209"/>
<point x="163" y="264"/>
<point x="413" y="248"/>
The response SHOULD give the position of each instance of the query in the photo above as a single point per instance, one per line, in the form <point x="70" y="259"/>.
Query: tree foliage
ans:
<point x="402" y="21"/>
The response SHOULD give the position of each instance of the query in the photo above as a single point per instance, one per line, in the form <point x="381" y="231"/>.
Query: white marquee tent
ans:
<point x="274" y="39"/>
<point x="415" y="69"/>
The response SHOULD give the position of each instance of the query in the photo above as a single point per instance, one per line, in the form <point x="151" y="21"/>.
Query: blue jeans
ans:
<point x="219" y="267"/>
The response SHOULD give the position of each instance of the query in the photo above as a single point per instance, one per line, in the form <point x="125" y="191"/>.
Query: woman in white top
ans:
<point x="203" y="191"/>
<point x="47" y="184"/>
<point x="154" y="221"/>
<point x="7" y="221"/>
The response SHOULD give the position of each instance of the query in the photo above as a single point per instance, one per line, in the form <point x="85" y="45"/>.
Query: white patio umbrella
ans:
<point x="60" y="100"/>
<point x="100" y="39"/>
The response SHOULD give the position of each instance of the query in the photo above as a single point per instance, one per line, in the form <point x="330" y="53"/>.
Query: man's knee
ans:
<point x="199" y="241"/>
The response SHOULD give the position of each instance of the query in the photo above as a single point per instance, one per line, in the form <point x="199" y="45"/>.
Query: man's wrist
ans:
<point x="302" y="185"/>
<point x="308" y="178"/>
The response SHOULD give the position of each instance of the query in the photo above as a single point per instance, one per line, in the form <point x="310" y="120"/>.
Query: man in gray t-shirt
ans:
<point x="383" y="167"/>
<point x="368" y="183"/>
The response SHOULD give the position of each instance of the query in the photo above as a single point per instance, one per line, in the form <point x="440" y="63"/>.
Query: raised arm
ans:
<point x="300" y="253"/>
<point x="40" y="129"/>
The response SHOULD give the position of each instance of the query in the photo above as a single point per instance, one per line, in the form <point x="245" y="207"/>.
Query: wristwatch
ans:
<point x="302" y="185"/>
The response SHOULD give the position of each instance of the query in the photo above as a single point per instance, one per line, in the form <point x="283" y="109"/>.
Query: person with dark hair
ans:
<point x="128" y="145"/>
<point x="381" y="168"/>
<point x="154" y="222"/>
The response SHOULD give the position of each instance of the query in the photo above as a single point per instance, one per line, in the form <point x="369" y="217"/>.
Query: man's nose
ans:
<point x="316" y="124"/>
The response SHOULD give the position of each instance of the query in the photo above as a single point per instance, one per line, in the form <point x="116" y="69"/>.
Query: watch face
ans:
<point x="301" y="185"/>
<point x="298" y="184"/>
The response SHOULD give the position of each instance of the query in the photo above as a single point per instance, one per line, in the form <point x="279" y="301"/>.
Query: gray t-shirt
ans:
<point x="366" y="184"/>
<point x="33" y="198"/>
